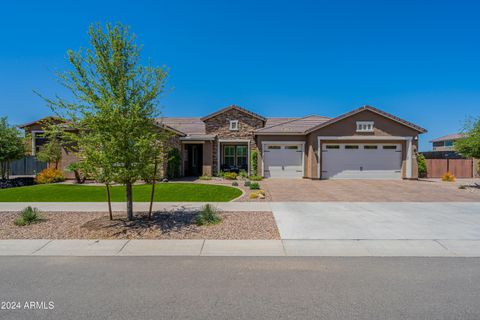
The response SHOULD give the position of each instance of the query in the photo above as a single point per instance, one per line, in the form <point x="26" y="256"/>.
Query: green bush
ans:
<point x="422" y="166"/>
<point x="49" y="175"/>
<point x="173" y="163"/>
<point x="230" y="175"/>
<point x="28" y="215"/>
<point x="247" y="183"/>
<point x="254" y="186"/>
<point x="207" y="216"/>
<point x="235" y="183"/>
<point x="254" y="161"/>
<point x="205" y="177"/>
<point x="243" y="174"/>
<point x="255" y="178"/>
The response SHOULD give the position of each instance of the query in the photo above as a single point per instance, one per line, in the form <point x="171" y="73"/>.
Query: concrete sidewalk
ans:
<point x="338" y="248"/>
<point x="137" y="206"/>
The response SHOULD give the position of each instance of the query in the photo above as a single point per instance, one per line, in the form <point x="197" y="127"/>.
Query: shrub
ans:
<point x="255" y="178"/>
<point x="448" y="177"/>
<point x="254" y="161"/>
<point x="207" y="216"/>
<point x="253" y="195"/>
<point x="173" y="163"/>
<point x="205" y="177"/>
<point x="243" y="174"/>
<point x="254" y="186"/>
<point x="76" y="169"/>
<point x="49" y="175"/>
<point x="247" y="183"/>
<point x="230" y="175"/>
<point x="260" y="191"/>
<point x="235" y="183"/>
<point x="422" y="166"/>
<point x="28" y="215"/>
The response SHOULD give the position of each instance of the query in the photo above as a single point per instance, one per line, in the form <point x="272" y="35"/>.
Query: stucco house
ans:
<point x="445" y="143"/>
<point x="365" y="143"/>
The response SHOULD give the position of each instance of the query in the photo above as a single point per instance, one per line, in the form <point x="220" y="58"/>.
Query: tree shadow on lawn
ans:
<point x="162" y="222"/>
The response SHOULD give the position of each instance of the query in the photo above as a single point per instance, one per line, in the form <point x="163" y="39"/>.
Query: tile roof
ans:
<point x="253" y="114"/>
<point x="453" y="136"/>
<point x="370" y="108"/>
<point x="188" y="126"/>
<point x="298" y="125"/>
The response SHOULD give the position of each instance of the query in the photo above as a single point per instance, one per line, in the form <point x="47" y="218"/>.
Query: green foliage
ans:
<point x="254" y="161"/>
<point x="76" y="168"/>
<point x="173" y="163"/>
<point x="235" y="183"/>
<point x="230" y="175"/>
<point x="422" y="166"/>
<point x="208" y="216"/>
<point x="49" y="175"/>
<point x="243" y="174"/>
<point x="12" y="146"/>
<point x="254" y="186"/>
<point x="27" y="216"/>
<point x="469" y="146"/>
<point x="51" y="152"/>
<point x="114" y="107"/>
<point x="247" y="183"/>
<point x="255" y="178"/>
<point x="205" y="177"/>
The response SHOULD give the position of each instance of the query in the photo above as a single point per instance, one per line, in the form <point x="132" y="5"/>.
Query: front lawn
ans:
<point x="164" y="192"/>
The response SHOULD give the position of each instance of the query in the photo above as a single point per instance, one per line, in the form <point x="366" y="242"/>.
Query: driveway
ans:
<point x="351" y="221"/>
<point x="369" y="190"/>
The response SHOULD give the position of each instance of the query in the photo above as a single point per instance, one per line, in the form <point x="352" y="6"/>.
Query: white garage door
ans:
<point x="361" y="161"/>
<point x="283" y="160"/>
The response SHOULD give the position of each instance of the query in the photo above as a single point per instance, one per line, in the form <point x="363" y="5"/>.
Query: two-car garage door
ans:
<point x="361" y="161"/>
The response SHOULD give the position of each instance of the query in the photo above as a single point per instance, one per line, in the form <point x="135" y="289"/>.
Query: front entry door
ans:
<point x="194" y="159"/>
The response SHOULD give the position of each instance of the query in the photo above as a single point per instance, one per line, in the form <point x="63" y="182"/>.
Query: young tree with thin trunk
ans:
<point x="469" y="145"/>
<point x="12" y="146"/>
<point x="115" y="99"/>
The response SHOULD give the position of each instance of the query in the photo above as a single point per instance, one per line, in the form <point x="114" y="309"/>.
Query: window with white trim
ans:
<point x="233" y="125"/>
<point x="365" y="126"/>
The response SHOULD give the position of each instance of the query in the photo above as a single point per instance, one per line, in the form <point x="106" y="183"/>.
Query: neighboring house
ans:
<point x="366" y="143"/>
<point x="445" y="143"/>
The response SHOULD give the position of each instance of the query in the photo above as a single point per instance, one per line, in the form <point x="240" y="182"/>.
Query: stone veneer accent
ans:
<point x="219" y="125"/>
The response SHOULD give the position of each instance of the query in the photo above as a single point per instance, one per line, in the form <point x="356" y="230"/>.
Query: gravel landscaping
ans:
<point x="164" y="225"/>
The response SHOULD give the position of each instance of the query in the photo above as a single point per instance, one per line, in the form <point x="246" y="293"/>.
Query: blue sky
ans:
<point x="416" y="59"/>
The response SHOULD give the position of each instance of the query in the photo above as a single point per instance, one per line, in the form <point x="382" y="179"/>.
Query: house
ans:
<point x="445" y="143"/>
<point x="365" y="143"/>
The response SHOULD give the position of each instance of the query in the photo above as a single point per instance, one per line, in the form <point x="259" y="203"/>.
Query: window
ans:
<point x="351" y="147"/>
<point x="449" y="143"/>
<point x="291" y="147"/>
<point x="333" y="146"/>
<point x="390" y="147"/>
<point x="370" y="147"/>
<point x="242" y="156"/>
<point x="233" y="125"/>
<point x="229" y="155"/>
<point x="365" y="126"/>
<point x="274" y="147"/>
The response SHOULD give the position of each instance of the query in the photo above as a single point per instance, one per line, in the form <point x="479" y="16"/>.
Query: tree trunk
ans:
<point x="109" y="201"/>
<point x="129" y="201"/>
<point x="153" y="189"/>
<point x="3" y="170"/>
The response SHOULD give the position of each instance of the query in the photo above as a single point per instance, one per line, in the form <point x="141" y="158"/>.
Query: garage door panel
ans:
<point x="283" y="162"/>
<point x="371" y="162"/>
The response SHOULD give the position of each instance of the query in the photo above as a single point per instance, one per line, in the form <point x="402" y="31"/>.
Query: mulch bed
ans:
<point x="163" y="225"/>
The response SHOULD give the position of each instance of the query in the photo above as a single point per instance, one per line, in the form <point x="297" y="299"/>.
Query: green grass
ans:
<point x="141" y="193"/>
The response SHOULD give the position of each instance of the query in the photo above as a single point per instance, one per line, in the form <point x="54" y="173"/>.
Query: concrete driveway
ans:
<point x="370" y="190"/>
<point x="349" y="221"/>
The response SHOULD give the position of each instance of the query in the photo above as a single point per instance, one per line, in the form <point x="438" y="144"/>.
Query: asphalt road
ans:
<point x="241" y="288"/>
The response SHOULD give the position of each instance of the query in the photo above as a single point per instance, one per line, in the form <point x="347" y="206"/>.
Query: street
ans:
<point x="240" y="288"/>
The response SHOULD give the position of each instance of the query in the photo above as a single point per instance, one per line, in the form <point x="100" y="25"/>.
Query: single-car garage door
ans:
<point x="283" y="160"/>
<point x="361" y="161"/>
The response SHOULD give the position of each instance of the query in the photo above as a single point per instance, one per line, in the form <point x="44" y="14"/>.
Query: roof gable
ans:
<point x="374" y="110"/>
<point x="234" y="107"/>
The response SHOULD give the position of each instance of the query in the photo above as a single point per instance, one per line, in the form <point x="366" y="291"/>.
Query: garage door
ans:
<point x="361" y="161"/>
<point x="283" y="160"/>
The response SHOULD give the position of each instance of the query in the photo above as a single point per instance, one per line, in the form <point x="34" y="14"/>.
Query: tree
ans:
<point x="114" y="105"/>
<point x="50" y="152"/>
<point x="469" y="145"/>
<point x="12" y="146"/>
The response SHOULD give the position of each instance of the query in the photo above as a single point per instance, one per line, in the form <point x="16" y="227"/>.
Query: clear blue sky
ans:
<point x="419" y="60"/>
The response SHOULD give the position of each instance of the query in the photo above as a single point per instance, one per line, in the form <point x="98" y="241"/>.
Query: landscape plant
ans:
<point x="448" y="177"/>
<point x="254" y="162"/>
<point x="422" y="166"/>
<point x="469" y="145"/>
<point x="12" y="146"/>
<point x="173" y="163"/>
<point x="254" y="186"/>
<point x="27" y="216"/>
<point x="114" y="106"/>
<point x="49" y="175"/>
<point x="207" y="216"/>
<point x="230" y="175"/>
<point x="255" y="178"/>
